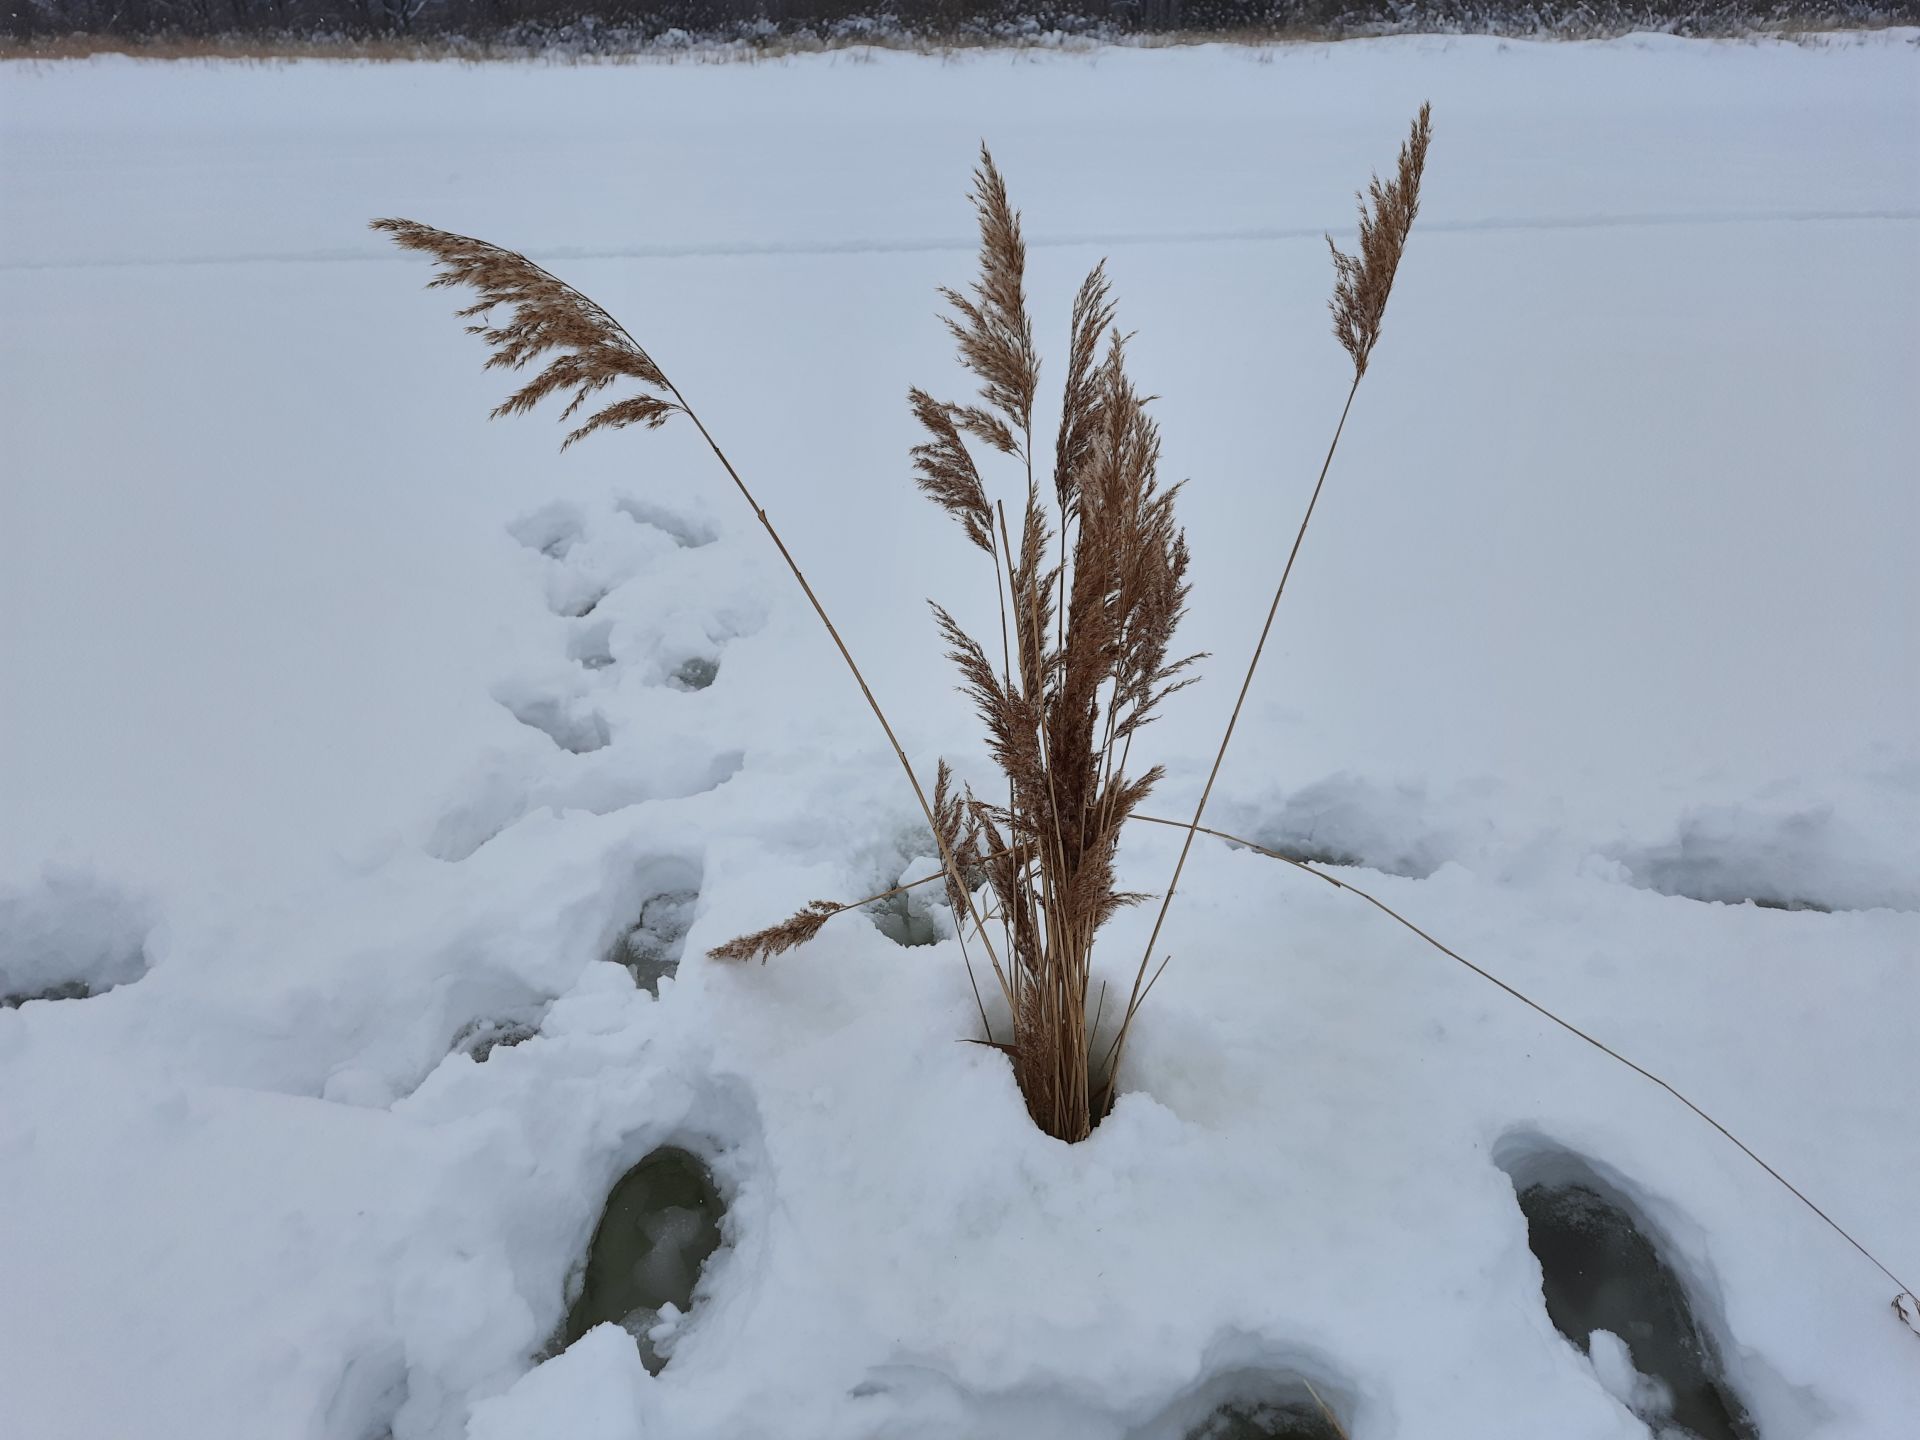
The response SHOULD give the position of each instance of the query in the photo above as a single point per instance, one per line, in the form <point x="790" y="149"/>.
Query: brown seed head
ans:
<point x="1363" y="282"/>
<point x="546" y="315"/>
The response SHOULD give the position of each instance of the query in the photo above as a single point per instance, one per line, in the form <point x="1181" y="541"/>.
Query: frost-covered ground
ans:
<point x="1606" y="628"/>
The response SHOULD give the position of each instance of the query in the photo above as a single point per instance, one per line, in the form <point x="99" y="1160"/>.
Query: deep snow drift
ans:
<point x="369" y="769"/>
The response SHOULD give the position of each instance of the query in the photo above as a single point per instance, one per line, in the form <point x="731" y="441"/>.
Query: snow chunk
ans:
<point x="596" y="1390"/>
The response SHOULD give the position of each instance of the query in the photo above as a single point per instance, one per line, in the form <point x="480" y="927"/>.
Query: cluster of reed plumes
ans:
<point x="1090" y="574"/>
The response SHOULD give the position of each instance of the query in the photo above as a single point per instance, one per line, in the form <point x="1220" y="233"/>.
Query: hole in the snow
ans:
<point x="1618" y="1299"/>
<point x="1801" y="860"/>
<point x="580" y="604"/>
<point x="661" y="1223"/>
<point x="906" y="920"/>
<point x="69" y="936"/>
<point x="1252" y="1403"/>
<point x="653" y="947"/>
<point x="687" y="533"/>
<point x="591" y="646"/>
<point x="695" y="674"/>
<point x="66" y="990"/>
<point x="580" y="731"/>
<point x="1293" y="1419"/>
<point x="480" y="1038"/>
<point x="552" y="529"/>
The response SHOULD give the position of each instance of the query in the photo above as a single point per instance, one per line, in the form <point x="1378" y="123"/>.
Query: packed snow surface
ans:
<point x="348" y="739"/>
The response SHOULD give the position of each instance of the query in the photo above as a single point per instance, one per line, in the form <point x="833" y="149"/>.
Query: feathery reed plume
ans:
<point x="1360" y="291"/>
<point x="1363" y="282"/>
<point x="547" y="315"/>
<point x="992" y="329"/>
<point x="796" y="929"/>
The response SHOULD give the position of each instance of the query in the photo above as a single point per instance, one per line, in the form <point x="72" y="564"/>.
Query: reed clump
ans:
<point x="1089" y="567"/>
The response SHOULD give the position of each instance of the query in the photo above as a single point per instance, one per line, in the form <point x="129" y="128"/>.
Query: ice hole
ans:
<point x="652" y="948"/>
<point x="1252" y="1402"/>
<point x="68" y="936"/>
<point x="695" y="674"/>
<point x="661" y="1223"/>
<point x="480" y="1038"/>
<point x="906" y="920"/>
<point x="1297" y="1419"/>
<point x="591" y="646"/>
<point x="1619" y="1300"/>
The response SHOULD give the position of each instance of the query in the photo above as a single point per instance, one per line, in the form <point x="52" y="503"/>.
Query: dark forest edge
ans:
<point x="744" y="29"/>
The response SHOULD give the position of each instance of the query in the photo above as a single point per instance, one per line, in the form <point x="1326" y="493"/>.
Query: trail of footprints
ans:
<point x="1609" y="1283"/>
<point x="589" y="560"/>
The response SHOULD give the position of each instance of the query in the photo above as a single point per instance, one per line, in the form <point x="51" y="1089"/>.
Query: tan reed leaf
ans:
<point x="1363" y="282"/>
<point x="545" y="315"/>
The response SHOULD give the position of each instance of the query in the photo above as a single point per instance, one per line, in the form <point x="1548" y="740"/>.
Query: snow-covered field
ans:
<point x="1606" y="628"/>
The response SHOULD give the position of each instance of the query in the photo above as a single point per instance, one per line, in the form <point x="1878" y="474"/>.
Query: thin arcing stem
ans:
<point x="1535" y="1005"/>
<point x="1133" y="1002"/>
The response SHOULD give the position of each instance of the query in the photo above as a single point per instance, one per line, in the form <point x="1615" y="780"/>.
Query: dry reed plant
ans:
<point x="1091" y="584"/>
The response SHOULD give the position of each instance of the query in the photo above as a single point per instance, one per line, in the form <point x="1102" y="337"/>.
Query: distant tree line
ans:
<point x="594" y="26"/>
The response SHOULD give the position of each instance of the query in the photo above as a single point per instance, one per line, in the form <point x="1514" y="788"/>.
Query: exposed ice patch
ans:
<point x="696" y="673"/>
<point x="651" y="949"/>
<point x="1281" y="1402"/>
<point x="1804" y="859"/>
<point x="480" y="1038"/>
<point x="660" y="1226"/>
<point x="1615" y="1290"/>
<point x="69" y="936"/>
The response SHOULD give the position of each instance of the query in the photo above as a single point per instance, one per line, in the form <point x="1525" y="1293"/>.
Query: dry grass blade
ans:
<point x="992" y="328"/>
<point x="547" y="316"/>
<point x="1363" y="282"/>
